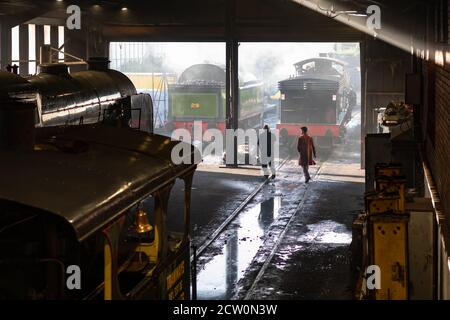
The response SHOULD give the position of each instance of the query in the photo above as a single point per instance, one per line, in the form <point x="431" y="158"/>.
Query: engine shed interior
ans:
<point x="224" y="150"/>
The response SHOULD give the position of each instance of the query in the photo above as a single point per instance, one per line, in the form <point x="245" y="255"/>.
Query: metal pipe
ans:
<point x="67" y="54"/>
<point x="232" y="81"/>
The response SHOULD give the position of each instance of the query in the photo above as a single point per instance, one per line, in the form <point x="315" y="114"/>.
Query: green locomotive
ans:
<point x="199" y="95"/>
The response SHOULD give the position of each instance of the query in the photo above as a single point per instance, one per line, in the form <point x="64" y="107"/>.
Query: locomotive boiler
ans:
<point x="84" y="208"/>
<point x="98" y="94"/>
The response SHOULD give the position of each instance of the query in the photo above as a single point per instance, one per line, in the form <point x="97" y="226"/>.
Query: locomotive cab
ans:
<point x="324" y="67"/>
<point x="86" y="218"/>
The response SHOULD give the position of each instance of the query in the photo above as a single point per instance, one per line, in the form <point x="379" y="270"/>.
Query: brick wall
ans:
<point x="438" y="154"/>
<point x="437" y="142"/>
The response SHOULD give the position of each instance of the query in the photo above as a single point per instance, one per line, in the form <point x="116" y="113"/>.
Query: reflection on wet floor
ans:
<point x="219" y="277"/>
<point x="327" y="232"/>
<point x="314" y="256"/>
<point x="311" y="260"/>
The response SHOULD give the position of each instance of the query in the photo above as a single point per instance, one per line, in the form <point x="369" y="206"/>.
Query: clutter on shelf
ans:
<point x="396" y="113"/>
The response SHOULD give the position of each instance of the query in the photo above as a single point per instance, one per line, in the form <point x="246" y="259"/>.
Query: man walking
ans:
<point x="307" y="150"/>
<point x="266" y="141"/>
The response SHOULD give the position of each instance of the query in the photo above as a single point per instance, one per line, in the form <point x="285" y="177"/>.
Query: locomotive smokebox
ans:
<point x="17" y="126"/>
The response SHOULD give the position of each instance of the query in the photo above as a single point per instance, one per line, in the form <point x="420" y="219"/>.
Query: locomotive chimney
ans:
<point x="17" y="125"/>
<point x="98" y="63"/>
<point x="59" y="69"/>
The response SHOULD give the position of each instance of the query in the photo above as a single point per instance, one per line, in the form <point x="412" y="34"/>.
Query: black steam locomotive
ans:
<point x="320" y="97"/>
<point x="84" y="208"/>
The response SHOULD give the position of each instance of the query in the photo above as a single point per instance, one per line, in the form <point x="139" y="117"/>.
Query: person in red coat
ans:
<point x="306" y="149"/>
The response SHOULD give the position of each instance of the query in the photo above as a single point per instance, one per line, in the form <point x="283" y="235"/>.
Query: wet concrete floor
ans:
<point x="240" y="243"/>
<point x="216" y="192"/>
<point x="310" y="259"/>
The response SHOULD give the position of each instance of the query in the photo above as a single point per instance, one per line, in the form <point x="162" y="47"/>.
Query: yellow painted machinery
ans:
<point x="388" y="244"/>
<point x="382" y="202"/>
<point x="393" y="185"/>
<point x="385" y="234"/>
<point x="388" y="169"/>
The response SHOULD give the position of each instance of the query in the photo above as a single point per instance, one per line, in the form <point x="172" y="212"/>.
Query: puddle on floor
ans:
<point x="327" y="231"/>
<point x="244" y="237"/>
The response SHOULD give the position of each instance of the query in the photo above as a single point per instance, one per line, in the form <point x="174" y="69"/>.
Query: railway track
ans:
<point x="275" y="247"/>
<point x="213" y="236"/>
<point x="241" y="208"/>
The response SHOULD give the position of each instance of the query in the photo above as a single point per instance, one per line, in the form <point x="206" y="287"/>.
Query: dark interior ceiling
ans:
<point x="251" y="20"/>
